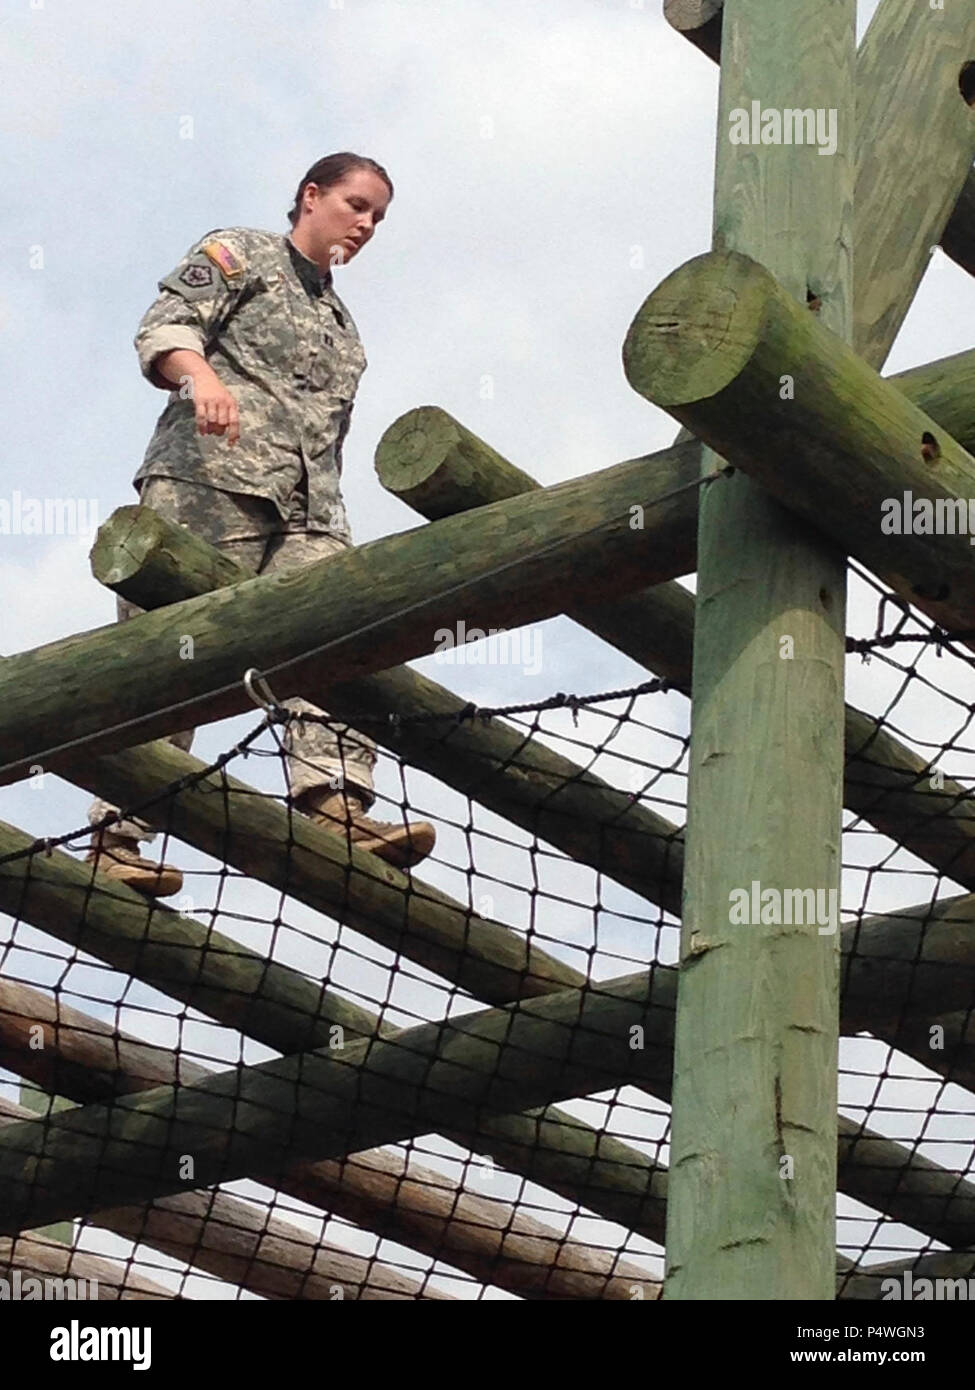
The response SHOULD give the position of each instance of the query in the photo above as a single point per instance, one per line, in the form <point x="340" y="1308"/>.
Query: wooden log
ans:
<point x="50" y="1262"/>
<point x="699" y="21"/>
<point x="40" y="1104"/>
<point x="888" y="787"/>
<point x="912" y="132"/>
<point x="885" y="782"/>
<point x="137" y="553"/>
<point x="258" y="1120"/>
<point x="847" y="461"/>
<point x="560" y="1151"/>
<point x="275" y="1004"/>
<point x="246" y="1246"/>
<point x="870" y="1282"/>
<point x="381" y="1191"/>
<point x="330" y="620"/>
<point x="751" y="1199"/>
<point x="945" y="390"/>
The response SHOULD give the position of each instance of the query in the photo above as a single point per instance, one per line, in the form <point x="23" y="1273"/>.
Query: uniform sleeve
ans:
<point x="344" y="424"/>
<point x="193" y="300"/>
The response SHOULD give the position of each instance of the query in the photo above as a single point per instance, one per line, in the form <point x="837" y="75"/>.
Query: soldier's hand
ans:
<point x="216" y="409"/>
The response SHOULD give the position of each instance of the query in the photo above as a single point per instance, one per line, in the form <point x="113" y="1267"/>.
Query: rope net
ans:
<point x="311" y="1075"/>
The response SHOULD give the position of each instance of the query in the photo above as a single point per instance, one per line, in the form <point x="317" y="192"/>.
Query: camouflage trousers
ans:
<point x="250" y="529"/>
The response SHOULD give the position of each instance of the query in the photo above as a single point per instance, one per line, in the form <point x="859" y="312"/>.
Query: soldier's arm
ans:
<point x="172" y="336"/>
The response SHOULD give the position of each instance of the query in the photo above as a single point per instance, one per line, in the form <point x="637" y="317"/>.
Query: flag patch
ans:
<point x="229" y="265"/>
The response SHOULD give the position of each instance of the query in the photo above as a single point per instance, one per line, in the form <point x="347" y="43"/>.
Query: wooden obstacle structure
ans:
<point x="767" y="350"/>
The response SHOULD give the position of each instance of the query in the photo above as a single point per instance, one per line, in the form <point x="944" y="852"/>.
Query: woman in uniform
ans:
<point x="262" y="360"/>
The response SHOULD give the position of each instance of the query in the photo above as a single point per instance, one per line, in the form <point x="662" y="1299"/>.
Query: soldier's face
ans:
<point x="338" y="221"/>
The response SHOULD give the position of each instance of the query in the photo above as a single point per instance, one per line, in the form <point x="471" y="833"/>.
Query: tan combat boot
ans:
<point x="343" y="813"/>
<point x="117" y="857"/>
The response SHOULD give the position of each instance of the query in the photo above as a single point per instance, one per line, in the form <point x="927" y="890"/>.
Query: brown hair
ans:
<point x="332" y="169"/>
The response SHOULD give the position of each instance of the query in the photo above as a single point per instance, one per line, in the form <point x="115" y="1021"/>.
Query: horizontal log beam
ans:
<point x="49" y="1262"/>
<point x="911" y="133"/>
<point x="331" y="621"/>
<point x="152" y="561"/>
<point x="713" y="345"/>
<point x="257" y="1121"/>
<point x="433" y="462"/>
<point x="885" y="781"/>
<point x="867" y="1283"/>
<point x="274" y="1004"/>
<point x="247" y="1246"/>
<point x="488" y="1238"/>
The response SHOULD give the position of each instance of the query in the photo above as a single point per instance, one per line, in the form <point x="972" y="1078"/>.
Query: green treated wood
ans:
<point x="242" y="1244"/>
<point x="40" y="1104"/>
<point x="258" y="1121"/>
<point x="421" y="1208"/>
<point x="331" y="620"/>
<point x="138" y="551"/>
<point x="271" y="1002"/>
<point x="557" y="1150"/>
<point x="751" y="1208"/>
<point x="915" y="144"/>
<point x="545" y="793"/>
<point x="887" y="783"/>
<point x="699" y="21"/>
<point x="851" y="438"/>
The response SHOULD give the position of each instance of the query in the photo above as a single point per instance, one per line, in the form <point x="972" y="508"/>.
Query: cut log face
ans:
<point x="772" y="390"/>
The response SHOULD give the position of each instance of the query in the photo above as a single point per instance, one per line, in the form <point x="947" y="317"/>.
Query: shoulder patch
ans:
<point x="196" y="275"/>
<point x="230" y="265"/>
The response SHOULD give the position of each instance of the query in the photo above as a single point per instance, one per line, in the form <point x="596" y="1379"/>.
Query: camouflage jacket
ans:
<point x="285" y="346"/>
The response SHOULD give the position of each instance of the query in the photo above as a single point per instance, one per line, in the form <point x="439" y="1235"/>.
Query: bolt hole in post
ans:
<point x="813" y="300"/>
<point x="966" y="83"/>
<point x="930" y="448"/>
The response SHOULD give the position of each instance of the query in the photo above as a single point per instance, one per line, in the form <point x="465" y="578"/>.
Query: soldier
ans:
<point x="262" y="361"/>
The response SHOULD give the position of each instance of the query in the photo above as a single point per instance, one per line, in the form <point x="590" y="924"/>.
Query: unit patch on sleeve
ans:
<point x="229" y="265"/>
<point x="196" y="276"/>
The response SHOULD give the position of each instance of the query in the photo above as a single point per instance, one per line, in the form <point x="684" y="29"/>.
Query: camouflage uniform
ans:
<point x="286" y="347"/>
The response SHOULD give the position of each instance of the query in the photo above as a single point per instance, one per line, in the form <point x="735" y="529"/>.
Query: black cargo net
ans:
<point x="312" y="1075"/>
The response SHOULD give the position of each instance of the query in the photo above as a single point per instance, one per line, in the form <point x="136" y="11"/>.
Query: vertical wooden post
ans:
<point x="751" y="1199"/>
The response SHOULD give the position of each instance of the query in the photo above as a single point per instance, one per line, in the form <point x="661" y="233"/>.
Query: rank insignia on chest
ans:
<point x="196" y="276"/>
<point x="229" y="265"/>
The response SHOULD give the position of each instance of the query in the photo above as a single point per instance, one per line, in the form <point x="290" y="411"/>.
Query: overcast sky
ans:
<point x="551" y="164"/>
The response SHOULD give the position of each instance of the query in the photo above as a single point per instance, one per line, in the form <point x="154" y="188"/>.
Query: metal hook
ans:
<point x="267" y="700"/>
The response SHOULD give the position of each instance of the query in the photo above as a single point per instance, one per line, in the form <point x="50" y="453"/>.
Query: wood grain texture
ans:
<point x="381" y="1191"/>
<point x="331" y="621"/>
<point x="757" y="1010"/>
<point x="846" y="443"/>
<point x="915" y="142"/>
